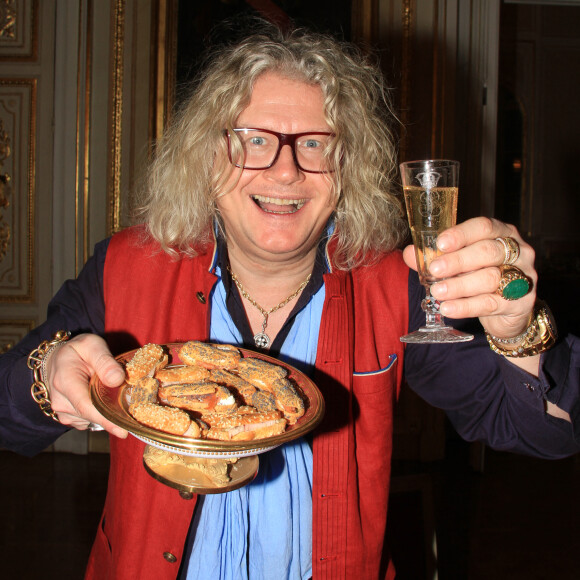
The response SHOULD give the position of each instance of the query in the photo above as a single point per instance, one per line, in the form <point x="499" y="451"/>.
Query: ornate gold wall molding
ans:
<point x="12" y="331"/>
<point x="18" y="119"/>
<point x="163" y="73"/>
<point x="117" y="114"/>
<point x="18" y="30"/>
<point x="8" y="19"/>
<point x="5" y="230"/>
<point x="83" y="157"/>
<point x="407" y="15"/>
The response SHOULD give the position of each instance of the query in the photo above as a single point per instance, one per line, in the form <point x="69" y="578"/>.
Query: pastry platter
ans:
<point x="173" y="459"/>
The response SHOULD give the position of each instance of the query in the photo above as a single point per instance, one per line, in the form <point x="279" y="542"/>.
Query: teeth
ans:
<point x="297" y="203"/>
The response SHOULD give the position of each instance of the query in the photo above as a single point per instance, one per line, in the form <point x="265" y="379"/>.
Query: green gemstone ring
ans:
<point x="514" y="284"/>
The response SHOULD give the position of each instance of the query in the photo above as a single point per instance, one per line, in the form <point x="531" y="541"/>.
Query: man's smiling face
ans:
<point x="279" y="213"/>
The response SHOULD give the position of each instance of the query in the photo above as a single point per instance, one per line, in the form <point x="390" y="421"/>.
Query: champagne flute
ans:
<point x="431" y="188"/>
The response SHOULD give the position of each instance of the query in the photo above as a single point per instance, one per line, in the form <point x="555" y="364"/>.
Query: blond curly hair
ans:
<point x="190" y="169"/>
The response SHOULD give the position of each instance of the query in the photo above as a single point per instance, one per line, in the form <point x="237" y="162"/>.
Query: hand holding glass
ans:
<point x="431" y="189"/>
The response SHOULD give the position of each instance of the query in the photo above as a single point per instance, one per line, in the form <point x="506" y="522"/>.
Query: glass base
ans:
<point x="436" y="334"/>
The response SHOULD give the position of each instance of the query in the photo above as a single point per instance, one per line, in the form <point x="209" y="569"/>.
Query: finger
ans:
<point x="474" y="230"/>
<point x="501" y="320"/>
<point x="409" y="257"/>
<point x="482" y="254"/>
<point x="477" y="246"/>
<point x="70" y="372"/>
<point x="83" y="424"/>
<point x="95" y="353"/>
<point x="490" y="306"/>
<point x="482" y="281"/>
<point x="75" y="408"/>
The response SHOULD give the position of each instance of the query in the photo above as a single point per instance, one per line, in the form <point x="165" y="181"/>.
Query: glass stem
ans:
<point x="431" y="307"/>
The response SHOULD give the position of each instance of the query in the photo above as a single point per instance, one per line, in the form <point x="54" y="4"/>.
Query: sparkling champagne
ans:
<point x="430" y="211"/>
<point x="430" y="188"/>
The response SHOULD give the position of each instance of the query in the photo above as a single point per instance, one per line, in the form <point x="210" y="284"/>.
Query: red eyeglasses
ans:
<point x="260" y="149"/>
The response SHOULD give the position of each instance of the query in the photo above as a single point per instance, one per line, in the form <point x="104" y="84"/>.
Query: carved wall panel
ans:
<point x="11" y="331"/>
<point x="102" y="113"/>
<point x="25" y="188"/>
<point x="17" y="157"/>
<point x="18" y="22"/>
<point x="75" y="82"/>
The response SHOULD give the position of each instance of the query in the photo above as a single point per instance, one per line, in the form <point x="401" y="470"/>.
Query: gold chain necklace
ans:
<point x="262" y="340"/>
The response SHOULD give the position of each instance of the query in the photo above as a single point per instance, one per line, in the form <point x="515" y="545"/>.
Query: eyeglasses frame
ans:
<point x="283" y="139"/>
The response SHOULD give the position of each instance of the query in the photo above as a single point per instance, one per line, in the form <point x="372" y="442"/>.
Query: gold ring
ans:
<point x="513" y="284"/>
<point x="511" y="249"/>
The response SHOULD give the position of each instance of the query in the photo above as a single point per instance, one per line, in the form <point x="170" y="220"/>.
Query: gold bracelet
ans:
<point x="539" y="337"/>
<point x="528" y="335"/>
<point x="36" y="363"/>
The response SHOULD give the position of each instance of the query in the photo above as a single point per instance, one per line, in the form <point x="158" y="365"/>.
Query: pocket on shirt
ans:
<point x="378" y="381"/>
<point x="373" y="410"/>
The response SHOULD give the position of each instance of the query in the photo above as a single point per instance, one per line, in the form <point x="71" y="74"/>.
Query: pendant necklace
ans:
<point x="262" y="340"/>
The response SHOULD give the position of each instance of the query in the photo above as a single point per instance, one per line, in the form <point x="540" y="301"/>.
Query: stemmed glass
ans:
<point x="431" y="188"/>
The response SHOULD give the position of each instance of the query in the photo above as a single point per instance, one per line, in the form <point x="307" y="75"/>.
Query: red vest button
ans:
<point x="170" y="557"/>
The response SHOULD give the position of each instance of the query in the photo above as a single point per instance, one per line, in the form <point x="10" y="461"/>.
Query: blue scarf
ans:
<point x="262" y="531"/>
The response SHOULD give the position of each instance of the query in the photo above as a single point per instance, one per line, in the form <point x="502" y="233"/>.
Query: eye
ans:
<point x="256" y="141"/>
<point x="311" y="143"/>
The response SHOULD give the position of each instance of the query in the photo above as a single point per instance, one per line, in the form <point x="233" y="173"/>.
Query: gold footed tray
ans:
<point x="172" y="459"/>
<point x="199" y="474"/>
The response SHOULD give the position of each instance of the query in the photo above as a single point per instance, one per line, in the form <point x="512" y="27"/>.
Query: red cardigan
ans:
<point x="151" y="298"/>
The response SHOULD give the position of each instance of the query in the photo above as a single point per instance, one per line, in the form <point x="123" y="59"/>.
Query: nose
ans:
<point x="285" y="168"/>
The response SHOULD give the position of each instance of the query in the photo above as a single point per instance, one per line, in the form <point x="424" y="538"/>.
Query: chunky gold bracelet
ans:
<point x="527" y="335"/>
<point x="36" y="362"/>
<point x="539" y="337"/>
